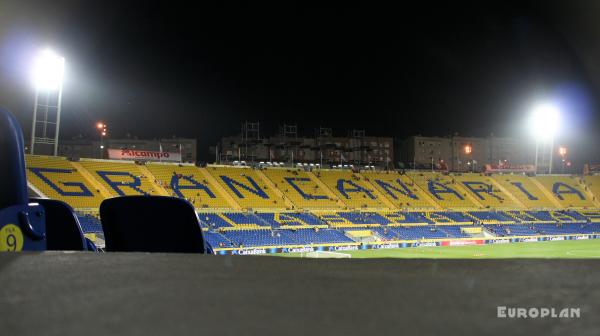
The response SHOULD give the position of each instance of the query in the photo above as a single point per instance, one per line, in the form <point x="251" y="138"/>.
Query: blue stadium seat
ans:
<point x="217" y="240"/>
<point x="512" y="230"/>
<point x="213" y="221"/>
<point x="22" y="224"/>
<point x="63" y="231"/>
<point x="419" y="232"/>
<point x="90" y="224"/>
<point x="364" y="218"/>
<point x="151" y="224"/>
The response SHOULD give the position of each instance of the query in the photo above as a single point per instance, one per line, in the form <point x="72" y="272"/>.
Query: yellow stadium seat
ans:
<point x="334" y="220"/>
<point x="399" y="189"/>
<point x="485" y="191"/>
<point x="567" y="190"/>
<point x="246" y="187"/>
<point x="420" y="195"/>
<point x="444" y="189"/>
<point x="351" y="188"/>
<point x="359" y="233"/>
<point x="592" y="183"/>
<point x="56" y="178"/>
<point x="120" y="178"/>
<point x="187" y="181"/>
<point x="298" y="186"/>
<point x="524" y="189"/>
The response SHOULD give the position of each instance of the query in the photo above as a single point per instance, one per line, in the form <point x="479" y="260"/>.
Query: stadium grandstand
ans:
<point x="400" y="190"/>
<point x="256" y="210"/>
<point x="525" y="190"/>
<point x="591" y="184"/>
<point x="486" y="191"/>
<point x="567" y="190"/>
<point x="444" y="190"/>
<point x="192" y="184"/>
<point x="353" y="189"/>
<point x="249" y="187"/>
<point x="303" y="189"/>
<point x="299" y="168"/>
<point x="121" y="178"/>
<point x="58" y="178"/>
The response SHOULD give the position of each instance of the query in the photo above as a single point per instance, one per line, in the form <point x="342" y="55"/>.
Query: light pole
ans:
<point x="551" y="155"/>
<point x="544" y="123"/>
<point x="47" y="75"/>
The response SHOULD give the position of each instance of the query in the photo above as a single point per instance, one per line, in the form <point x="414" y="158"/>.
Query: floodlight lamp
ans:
<point x="544" y="122"/>
<point x="48" y="70"/>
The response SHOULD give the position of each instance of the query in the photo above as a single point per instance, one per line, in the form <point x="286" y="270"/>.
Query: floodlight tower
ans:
<point x="47" y="75"/>
<point x="544" y="122"/>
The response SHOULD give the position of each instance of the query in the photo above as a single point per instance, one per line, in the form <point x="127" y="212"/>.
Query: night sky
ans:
<point x="170" y="68"/>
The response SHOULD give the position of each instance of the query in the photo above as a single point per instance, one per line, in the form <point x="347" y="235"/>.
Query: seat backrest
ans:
<point x="13" y="182"/>
<point x="151" y="224"/>
<point x="63" y="231"/>
<point x="21" y="224"/>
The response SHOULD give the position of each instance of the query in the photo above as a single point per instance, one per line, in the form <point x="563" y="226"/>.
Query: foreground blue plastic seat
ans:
<point x="22" y="225"/>
<point x="151" y="224"/>
<point x="63" y="231"/>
